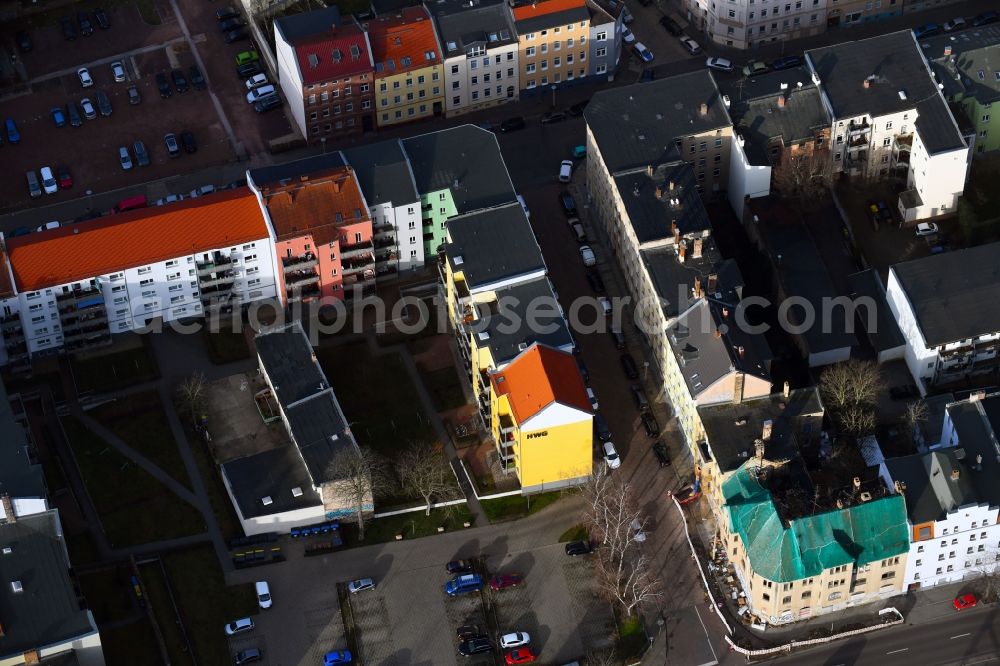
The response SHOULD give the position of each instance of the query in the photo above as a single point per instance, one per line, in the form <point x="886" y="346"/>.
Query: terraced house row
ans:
<point x="327" y="226"/>
<point x="343" y="77"/>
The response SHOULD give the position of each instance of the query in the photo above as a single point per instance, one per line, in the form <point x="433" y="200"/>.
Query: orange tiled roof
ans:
<point x="310" y="206"/>
<point x="135" y="238"/>
<point x="408" y="35"/>
<point x="545" y="7"/>
<point x="6" y="288"/>
<point x="538" y="377"/>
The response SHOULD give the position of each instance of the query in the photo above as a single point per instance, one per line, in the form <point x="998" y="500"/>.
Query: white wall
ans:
<point x="406" y="219"/>
<point x="920" y="360"/>
<point x="939" y="179"/>
<point x="953" y="537"/>
<point x="459" y="69"/>
<point x="745" y="180"/>
<point x="288" y="78"/>
<point x="26" y="506"/>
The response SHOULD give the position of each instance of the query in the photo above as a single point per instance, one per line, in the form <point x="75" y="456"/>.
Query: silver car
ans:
<point x="125" y="158"/>
<point x="360" y="585"/>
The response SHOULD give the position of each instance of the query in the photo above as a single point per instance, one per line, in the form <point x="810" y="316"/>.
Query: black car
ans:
<point x="226" y="13"/>
<point x="671" y="26"/>
<point x="787" y="62"/>
<point x="639" y="397"/>
<point x="133" y="96"/>
<point x="197" y="80"/>
<point x="68" y="29"/>
<point x="618" y="337"/>
<point x="574" y="548"/>
<point x="985" y="18"/>
<point x="86" y="27"/>
<point x="23" y="41"/>
<point x="568" y="204"/>
<point x="647" y="75"/>
<point x="102" y="19"/>
<point x="267" y="103"/>
<point x="467" y="631"/>
<point x="248" y="70"/>
<point x="553" y="117"/>
<point x="628" y="365"/>
<point x="660" y="451"/>
<point x="458" y="566"/>
<point x="512" y="124"/>
<point x="73" y="114"/>
<point x="163" y="85"/>
<point x="577" y="109"/>
<point x="238" y="35"/>
<point x="231" y="24"/>
<point x="904" y="392"/>
<point x="103" y="103"/>
<point x="189" y="143"/>
<point x="595" y="281"/>
<point x="601" y="428"/>
<point x="650" y="424"/>
<point x="477" y="645"/>
<point x="180" y="82"/>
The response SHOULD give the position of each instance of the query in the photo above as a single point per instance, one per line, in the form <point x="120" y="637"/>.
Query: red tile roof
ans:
<point x="409" y="35"/>
<point x="310" y="206"/>
<point x="136" y="238"/>
<point x="545" y="7"/>
<point x="538" y="377"/>
<point x="341" y="53"/>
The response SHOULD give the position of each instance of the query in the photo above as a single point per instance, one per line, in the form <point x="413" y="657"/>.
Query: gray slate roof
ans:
<point x="465" y="160"/>
<point x="731" y="428"/>
<point x="488" y="23"/>
<point x="273" y="474"/>
<point x="652" y="217"/>
<point x="954" y="294"/>
<point x="973" y="52"/>
<point x="930" y="491"/>
<point x="48" y="610"/>
<point x="383" y="173"/>
<point x="319" y="428"/>
<point x="893" y="64"/>
<point x="306" y="24"/>
<point x="275" y="173"/>
<point x="636" y="125"/>
<point x="493" y="245"/>
<point x="670" y="277"/>
<point x="978" y="428"/>
<point x="885" y="333"/>
<point x="509" y="329"/>
<point x="18" y="476"/>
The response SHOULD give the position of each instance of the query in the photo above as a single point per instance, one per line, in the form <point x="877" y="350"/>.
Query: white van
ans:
<point x="49" y="183"/>
<point x="263" y="594"/>
<point x="257" y="93"/>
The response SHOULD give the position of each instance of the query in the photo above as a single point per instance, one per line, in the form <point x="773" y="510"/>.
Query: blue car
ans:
<point x="787" y="62"/>
<point x="13" y="136"/>
<point x="337" y="657"/>
<point x="463" y="584"/>
<point x="643" y="52"/>
<point x="57" y="117"/>
<point x="926" y="30"/>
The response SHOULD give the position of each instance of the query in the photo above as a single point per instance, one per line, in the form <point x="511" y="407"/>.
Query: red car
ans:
<point x="65" y="179"/>
<point x="965" y="601"/>
<point x="504" y="581"/>
<point x="521" y="655"/>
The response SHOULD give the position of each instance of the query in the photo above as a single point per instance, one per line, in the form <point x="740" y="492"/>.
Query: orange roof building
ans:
<point x="539" y="377"/>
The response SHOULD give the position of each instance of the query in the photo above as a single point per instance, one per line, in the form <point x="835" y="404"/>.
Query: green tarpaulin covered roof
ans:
<point x="863" y="533"/>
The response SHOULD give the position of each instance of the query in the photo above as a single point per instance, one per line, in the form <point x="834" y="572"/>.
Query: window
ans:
<point x="807" y="594"/>
<point x="986" y="118"/>
<point x="144" y="269"/>
<point x="602" y="36"/>
<point x="887" y="141"/>
<point x="456" y="101"/>
<point x="601" y="52"/>
<point x="766" y="596"/>
<point x="530" y="51"/>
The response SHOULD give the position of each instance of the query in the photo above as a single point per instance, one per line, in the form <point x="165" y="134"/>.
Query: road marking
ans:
<point x="899" y="650"/>
<point x="961" y="636"/>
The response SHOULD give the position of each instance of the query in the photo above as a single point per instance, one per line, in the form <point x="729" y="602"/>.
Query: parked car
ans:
<point x="568" y="204"/>
<point x="786" y="62"/>
<point x="601" y="428"/>
<point x="587" y="254"/>
<point x="463" y="584"/>
<point x="595" y="282"/>
<point x="550" y="117"/>
<point x="231" y="24"/>
<point x="49" y="184"/>
<point x="926" y="229"/>
<point x="720" y="64"/>
<point x="240" y="626"/>
<point x="956" y="23"/>
<point x="23" y="41"/>
<point x="618" y="337"/>
<point x="671" y="26"/>
<point x="54" y="224"/>
<point x="163" y="85"/>
<point x="244" y="57"/>
<point x="141" y="154"/>
<point x="118" y="71"/>
<point x="503" y="581"/>
<point x="644" y="53"/>
<point x="611" y="456"/>
<point x="200" y="192"/>
<point x="247" y="656"/>
<point x="256" y="81"/>
<point x="985" y="18"/>
<point x="627" y="36"/>
<point x="68" y="29"/>
<point x="248" y="70"/>
<point x="628" y="365"/>
<point x="187" y="140"/>
<point x="605" y="306"/>
<point x="88" y="109"/>
<point x="469" y="631"/>
<point x="514" y="639"/>
<point x="361" y="585"/>
<point x="255" y="94"/>
<point x="650" y="424"/>
<point x="180" y="82"/>
<point x="169" y="199"/>
<point x="639" y="397"/>
<point x="65" y="178"/>
<point x="578" y="231"/>
<point x="197" y="78"/>
<point x="926" y="30"/>
<point x="476" y="645"/>
<point x="267" y="103"/>
<point x="238" y="35"/>
<point x="594" y="405"/>
<point x="133" y="96"/>
<point x="459" y="566"/>
<point x="512" y="124"/>
<point x="754" y="67"/>
<point x="565" y="171"/>
<point x="263" y="594"/>
<point x="103" y="102"/>
<point x="86" y="27"/>
<point x="660" y="451"/>
<point x="84" y="75"/>
<point x="965" y="601"/>
<point x="574" y="548"/>
<point x="691" y="45"/>
<point x="170" y="140"/>
<point x="102" y="18"/>
<point x="226" y="13"/>
<point x="57" y="116"/>
<point x="13" y="135"/>
<point x="75" y="119"/>
<point x="335" y="657"/>
<point x="124" y="158"/>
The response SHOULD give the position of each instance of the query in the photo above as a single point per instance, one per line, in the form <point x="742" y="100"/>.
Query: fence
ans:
<point x="420" y="507"/>
<point x="701" y="572"/>
<point x="788" y="647"/>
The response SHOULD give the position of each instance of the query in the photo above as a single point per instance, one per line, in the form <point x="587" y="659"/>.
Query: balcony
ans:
<point x="220" y="305"/>
<point x="385" y="257"/>
<point x="12" y="338"/>
<point x="429" y="237"/>
<point x="303" y="261"/>
<point x="10" y="323"/>
<point x="216" y="279"/>
<point x="359" y="265"/>
<point x="858" y="128"/>
<point x="222" y="292"/>
<point x="357" y="250"/>
<point x="857" y="141"/>
<point x="300" y="279"/>
<point x="219" y="262"/>
<point x="506" y="426"/>
<point x="386" y="271"/>
<point x="83" y="319"/>
<point x="427" y="223"/>
<point x="381" y="243"/>
<point x="68" y="298"/>
<point x="383" y="227"/>
<point x="303" y="293"/>
<point x="88" y="341"/>
<point x="84" y="330"/>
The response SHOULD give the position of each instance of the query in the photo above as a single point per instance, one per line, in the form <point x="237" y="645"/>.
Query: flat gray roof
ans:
<point x="462" y="24"/>
<point x="658" y="201"/>
<point x="885" y="333"/>
<point x="493" y="245"/>
<point x="383" y="172"/>
<point x="508" y="329"/>
<point x="274" y="473"/>
<point x="930" y="490"/>
<point x="19" y="476"/>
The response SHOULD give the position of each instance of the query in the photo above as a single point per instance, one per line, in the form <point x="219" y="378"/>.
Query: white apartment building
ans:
<point x="73" y="287"/>
<point x="480" y="53"/>
<point x="890" y="121"/>
<point x="745" y="24"/>
<point x="953" y="496"/>
<point x="943" y="306"/>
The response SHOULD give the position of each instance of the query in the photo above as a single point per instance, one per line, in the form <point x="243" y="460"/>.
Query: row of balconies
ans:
<point x="218" y="263"/>
<point x="216" y="278"/>
<point x="300" y="262"/>
<point x="69" y="297"/>
<point x="356" y="250"/>
<point x="306" y="291"/>
<point x="300" y="278"/>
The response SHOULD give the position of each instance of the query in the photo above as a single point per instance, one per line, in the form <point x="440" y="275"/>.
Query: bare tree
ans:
<point x="803" y="176"/>
<point x="857" y="419"/>
<point x="988" y="569"/>
<point x="602" y="658"/>
<point x="850" y="390"/>
<point x="630" y="584"/>
<point x="915" y="414"/>
<point x="358" y="476"/>
<point x="193" y="392"/>
<point x="423" y="469"/>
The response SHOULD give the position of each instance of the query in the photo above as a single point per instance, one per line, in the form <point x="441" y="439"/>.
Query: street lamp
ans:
<point x="323" y="142"/>
<point x="90" y="200"/>
<point x="553" y="96"/>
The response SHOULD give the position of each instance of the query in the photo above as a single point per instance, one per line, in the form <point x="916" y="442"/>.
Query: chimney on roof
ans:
<point x="867" y="83"/>
<point x="725" y="312"/>
<point x="758" y="448"/>
<point x="765" y="432"/>
<point x="712" y="281"/>
<point x="696" y="250"/>
<point x="681" y="252"/>
<point x="672" y="185"/>
<point x="740" y="351"/>
<point x="697" y="288"/>
<point x="675" y="232"/>
<point x="955" y="474"/>
<point x="659" y="191"/>
<point x="899" y="486"/>
<point x="704" y="109"/>
<point x="781" y="101"/>
<point x="947" y="50"/>
<point x="977" y="396"/>
<point x="786" y="389"/>
<point x="857" y="482"/>
<point x="649" y="170"/>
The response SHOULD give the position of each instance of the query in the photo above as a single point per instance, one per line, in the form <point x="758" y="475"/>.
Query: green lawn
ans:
<point x="109" y="372"/>
<point x="575" y="533"/>
<point x="517" y="506"/>
<point x="134" y="507"/>
<point x="131" y="644"/>
<point x="158" y="599"/>
<point x="205" y="603"/>
<point x="410" y="525"/>
<point x="444" y="387"/>
<point x="226" y="346"/>
<point x="632" y="640"/>
<point x="377" y="397"/>
<point x="139" y="420"/>
<point x="109" y="594"/>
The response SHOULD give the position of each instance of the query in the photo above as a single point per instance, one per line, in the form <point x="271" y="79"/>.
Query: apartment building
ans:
<point x="952" y="497"/>
<point x="940" y="303"/>
<point x="323" y="235"/>
<point x="965" y="65"/>
<point x="75" y="286"/>
<point x="552" y="44"/>
<point x="744" y="24"/>
<point x="889" y="121"/>
<point x="294" y="484"/>
<point x="541" y="418"/>
<point x="847" y="13"/>
<point x="480" y="49"/>
<point x="409" y="71"/>
<point x="605" y="39"/>
<point x="326" y="73"/>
